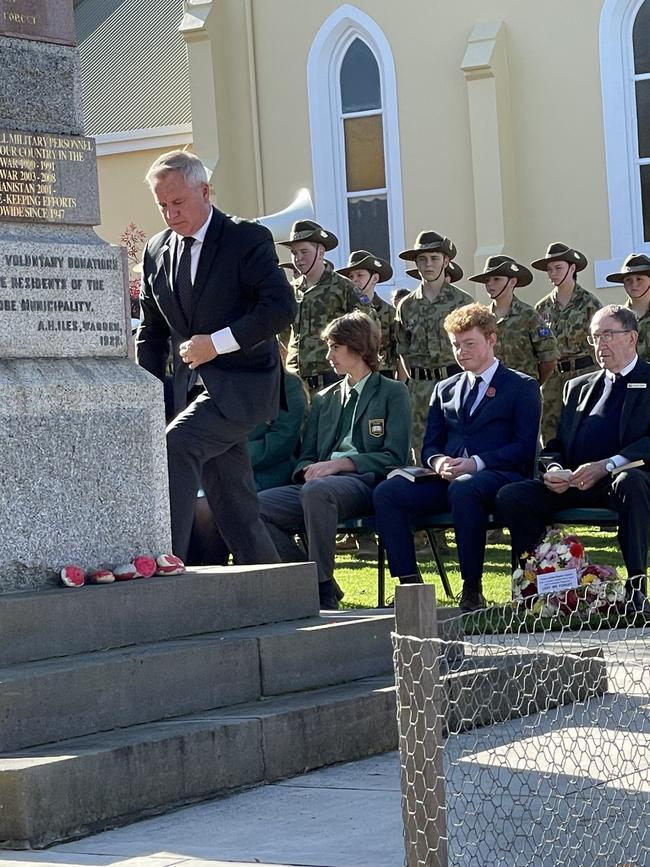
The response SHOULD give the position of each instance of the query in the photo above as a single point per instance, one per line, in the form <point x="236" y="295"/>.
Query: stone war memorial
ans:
<point x="121" y="700"/>
<point x="84" y="477"/>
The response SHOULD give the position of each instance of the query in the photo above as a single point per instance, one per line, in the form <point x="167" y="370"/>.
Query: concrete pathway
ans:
<point x="344" y="816"/>
<point x="567" y="787"/>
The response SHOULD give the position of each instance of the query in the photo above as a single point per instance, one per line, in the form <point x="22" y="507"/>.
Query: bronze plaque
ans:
<point x="48" y="178"/>
<point x="43" y="20"/>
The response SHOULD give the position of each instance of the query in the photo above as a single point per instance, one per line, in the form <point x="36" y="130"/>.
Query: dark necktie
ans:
<point x="184" y="277"/>
<point x="345" y="420"/>
<point x="469" y="401"/>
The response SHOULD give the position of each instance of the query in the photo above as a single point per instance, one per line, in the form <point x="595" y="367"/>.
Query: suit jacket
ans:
<point x="238" y="284"/>
<point x="579" y="400"/>
<point x="503" y="429"/>
<point x="381" y="432"/>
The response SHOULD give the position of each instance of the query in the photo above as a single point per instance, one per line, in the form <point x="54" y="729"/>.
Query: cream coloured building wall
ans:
<point x="559" y="189"/>
<point x="123" y="195"/>
<point x="548" y="92"/>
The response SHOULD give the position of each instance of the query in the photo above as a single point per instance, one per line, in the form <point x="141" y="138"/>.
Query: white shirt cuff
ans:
<point x="224" y="341"/>
<point x="480" y="465"/>
<point x="434" y="460"/>
<point x="618" y="460"/>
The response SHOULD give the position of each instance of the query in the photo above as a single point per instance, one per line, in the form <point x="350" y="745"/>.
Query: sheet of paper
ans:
<point x="555" y="582"/>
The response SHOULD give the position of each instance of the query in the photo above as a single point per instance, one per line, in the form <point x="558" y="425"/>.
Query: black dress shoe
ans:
<point x="337" y="590"/>
<point x="411" y="579"/>
<point x="471" y="600"/>
<point x="327" y="595"/>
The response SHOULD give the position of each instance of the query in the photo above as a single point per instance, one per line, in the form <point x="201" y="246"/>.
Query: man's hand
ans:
<point x="197" y="350"/>
<point x="587" y="475"/>
<point x="328" y="468"/>
<point x="451" y="468"/>
<point x="556" y="481"/>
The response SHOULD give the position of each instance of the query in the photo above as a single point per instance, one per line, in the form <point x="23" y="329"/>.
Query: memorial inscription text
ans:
<point x="43" y="20"/>
<point x="58" y="291"/>
<point x="39" y="174"/>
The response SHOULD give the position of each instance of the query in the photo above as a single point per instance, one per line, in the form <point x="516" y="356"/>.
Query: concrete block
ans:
<point x="494" y="689"/>
<point x="320" y="652"/>
<point x="85" y="475"/>
<point x="48" y="99"/>
<point x="49" y="701"/>
<point x="90" y="784"/>
<point x="357" y="721"/>
<point x="61" y="621"/>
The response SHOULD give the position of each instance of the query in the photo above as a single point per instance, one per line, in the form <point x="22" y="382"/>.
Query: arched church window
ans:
<point x="365" y="168"/>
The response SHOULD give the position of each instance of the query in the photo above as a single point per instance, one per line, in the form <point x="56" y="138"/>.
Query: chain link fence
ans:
<point x="522" y="748"/>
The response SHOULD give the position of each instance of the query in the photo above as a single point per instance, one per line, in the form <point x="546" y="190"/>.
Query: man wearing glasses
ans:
<point x="605" y="424"/>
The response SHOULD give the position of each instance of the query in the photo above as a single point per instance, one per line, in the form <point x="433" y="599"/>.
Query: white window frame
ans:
<point x="620" y="133"/>
<point x="328" y="49"/>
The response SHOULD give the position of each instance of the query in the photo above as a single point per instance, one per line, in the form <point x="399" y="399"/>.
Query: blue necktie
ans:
<point x="468" y="403"/>
<point x="183" y="284"/>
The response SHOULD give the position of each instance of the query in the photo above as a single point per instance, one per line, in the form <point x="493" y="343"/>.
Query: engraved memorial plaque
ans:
<point x="48" y="178"/>
<point x="62" y="300"/>
<point x="42" y="20"/>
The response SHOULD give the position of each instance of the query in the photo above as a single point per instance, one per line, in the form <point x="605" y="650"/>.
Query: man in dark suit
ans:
<point x="212" y="288"/>
<point x="605" y="423"/>
<point x="357" y="429"/>
<point x="482" y="431"/>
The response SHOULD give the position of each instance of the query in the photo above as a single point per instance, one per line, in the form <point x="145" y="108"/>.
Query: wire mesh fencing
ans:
<point x="525" y="747"/>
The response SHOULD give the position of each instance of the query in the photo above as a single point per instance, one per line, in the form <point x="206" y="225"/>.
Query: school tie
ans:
<point x="183" y="283"/>
<point x="345" y="420"/>
<point x="468" y="403"/>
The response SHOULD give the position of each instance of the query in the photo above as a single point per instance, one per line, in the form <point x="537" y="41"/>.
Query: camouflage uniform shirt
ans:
<point x="524" y="340"/>
<point x="333" y="295"/>
<point x="643" y="346"/>
<point x="421" y="337"/>
<point x="570" y="324"/>
<point x="423" y="342"/>
<point x="385" y="315"/>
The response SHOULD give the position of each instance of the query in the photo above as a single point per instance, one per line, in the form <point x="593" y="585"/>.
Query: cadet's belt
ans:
<point x="434" y="374"/>
<point x="566" y="365"/>
<point x="322" y="380"/>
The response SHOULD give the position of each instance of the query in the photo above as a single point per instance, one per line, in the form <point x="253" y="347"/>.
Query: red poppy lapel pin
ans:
<point x="491" y="391"/>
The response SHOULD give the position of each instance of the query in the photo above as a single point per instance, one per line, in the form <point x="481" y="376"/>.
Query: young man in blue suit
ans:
<point x="482" y="432"/>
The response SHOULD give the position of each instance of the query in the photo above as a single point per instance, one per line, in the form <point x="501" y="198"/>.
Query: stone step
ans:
<point x="40" y="624"/>
<point x="92" y="783"/>
<point x="51" y="700"/>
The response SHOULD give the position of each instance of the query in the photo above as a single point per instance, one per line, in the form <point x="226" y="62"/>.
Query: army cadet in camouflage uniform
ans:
<point x="322" y="296"/>
<point x="567" y="311"/>
<point x="635" y="277"/>
<point x="366" y="271"/>
<point x="453" y="271"/>
<point x="422" y="342"/>
<point x="524" y="342"/>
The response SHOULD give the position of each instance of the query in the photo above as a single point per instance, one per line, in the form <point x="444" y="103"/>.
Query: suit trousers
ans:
<point x="527" y="508"/>
<point x="470" y="499"/>
<point x="315" y="508"/>
<point x="206" y="449"/>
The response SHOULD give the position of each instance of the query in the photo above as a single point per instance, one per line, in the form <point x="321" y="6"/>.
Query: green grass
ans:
<point x="358" y="578"/>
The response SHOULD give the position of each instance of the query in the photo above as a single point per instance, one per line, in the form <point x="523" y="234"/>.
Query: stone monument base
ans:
<point x="84" y="473"/>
